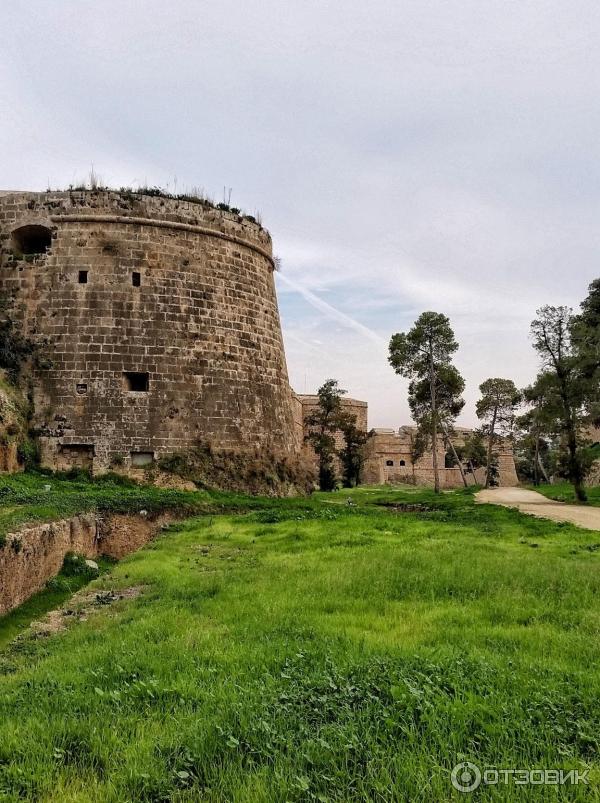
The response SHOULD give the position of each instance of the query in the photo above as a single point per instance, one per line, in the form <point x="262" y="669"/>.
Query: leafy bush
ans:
<point x="74" y="565"/>
<point x="28" y="453"/>
<point x="14" y="348"/>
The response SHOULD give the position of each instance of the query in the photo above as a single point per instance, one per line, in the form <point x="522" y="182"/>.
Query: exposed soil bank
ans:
<point x="35" y="554"/>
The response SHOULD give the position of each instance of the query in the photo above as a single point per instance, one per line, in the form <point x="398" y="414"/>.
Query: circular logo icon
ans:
<point x="466" y="777"/>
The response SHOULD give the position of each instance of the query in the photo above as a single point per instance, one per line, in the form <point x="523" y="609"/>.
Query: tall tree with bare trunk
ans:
<point x="496" y="409"/>
<point x="420" y="355"/>
<point x="569" y="355"/>
<point x="449" y="386"/>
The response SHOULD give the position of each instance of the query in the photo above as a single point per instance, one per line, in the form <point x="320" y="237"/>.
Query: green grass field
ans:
<point x="38" y="497"/>
<point x="308" y="650"/>
<point x="563" y="492"/>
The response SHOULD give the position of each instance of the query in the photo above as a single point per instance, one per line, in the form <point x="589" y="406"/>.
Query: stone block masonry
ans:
<point x="156" y="324"/>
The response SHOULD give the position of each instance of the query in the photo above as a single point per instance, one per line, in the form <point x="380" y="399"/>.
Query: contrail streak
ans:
<point x="331" y="312"/>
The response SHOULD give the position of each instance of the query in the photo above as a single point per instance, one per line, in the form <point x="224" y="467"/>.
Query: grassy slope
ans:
<point x="315" y="651"/>
<point x="58" y="591"/>
<point x="25" y="498"/>
<point x="563" y="492"/>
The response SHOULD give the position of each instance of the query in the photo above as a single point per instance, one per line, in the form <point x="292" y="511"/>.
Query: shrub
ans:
<point x="28" y="454"/>
<point x="267" y="472"/>
<point x="14" y="348"/>
<point x="74" y="565"/>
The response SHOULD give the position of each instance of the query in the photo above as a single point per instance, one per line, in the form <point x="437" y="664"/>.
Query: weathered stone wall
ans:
<point x="9" y="460"/>
<point x="203" y="324"/>
<point x="309" y="404"/>
<point x="35" y="554"/>
<point x="388" y="460"/>
<point x="298" y="414"/>
<point x="14" y="411"/>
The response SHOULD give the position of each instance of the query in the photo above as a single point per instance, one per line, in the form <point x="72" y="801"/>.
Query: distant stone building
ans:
<point x="389" y="459"/>
<point x="388" y="452"/>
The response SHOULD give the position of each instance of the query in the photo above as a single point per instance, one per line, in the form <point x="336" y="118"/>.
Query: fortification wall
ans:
<point x="156" y="322"/>
<point x="309" y="404"/>
<point x="298" y="415"/>
<point x="389" y="460"/>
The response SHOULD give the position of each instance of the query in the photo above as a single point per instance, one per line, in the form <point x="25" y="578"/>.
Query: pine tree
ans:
<point x="421" y="354"/>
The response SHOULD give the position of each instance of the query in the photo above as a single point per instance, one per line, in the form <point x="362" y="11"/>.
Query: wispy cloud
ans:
<point x="330" y="312"/>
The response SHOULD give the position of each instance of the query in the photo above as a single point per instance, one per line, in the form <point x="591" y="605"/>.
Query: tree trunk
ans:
<point x="453" y="450"/>
<point x="536" y="461"/>
<point x="543" y="470"/>
<point x="489" y="451"/>
<point x="575" y="468"/>
<point x="434" y="423"/>
<point x="576" y="474"/>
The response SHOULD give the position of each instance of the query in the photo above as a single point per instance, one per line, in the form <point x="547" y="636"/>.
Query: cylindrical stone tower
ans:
<point x="156" y="326"/>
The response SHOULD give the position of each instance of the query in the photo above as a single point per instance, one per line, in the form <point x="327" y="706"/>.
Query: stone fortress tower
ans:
<point x="156" y="324"/>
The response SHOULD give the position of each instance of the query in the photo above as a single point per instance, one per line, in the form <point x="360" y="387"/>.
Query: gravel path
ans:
<point x="537" y="505"/>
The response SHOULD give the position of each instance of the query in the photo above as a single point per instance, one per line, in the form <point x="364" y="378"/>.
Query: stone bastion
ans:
<point x="155" y="322"/>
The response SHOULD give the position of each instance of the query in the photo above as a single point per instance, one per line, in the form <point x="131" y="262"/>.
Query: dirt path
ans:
<point x="537" y="505"/>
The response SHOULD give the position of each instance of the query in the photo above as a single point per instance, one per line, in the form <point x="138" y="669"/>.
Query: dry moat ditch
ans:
<point x="34" y="555"/>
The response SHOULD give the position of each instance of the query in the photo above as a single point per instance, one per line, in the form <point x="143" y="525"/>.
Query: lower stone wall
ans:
<point x="33" y="555"/>
<point x="9" y="459"/>
<point x="376" y="473"/>
<point x="388" y="460"/>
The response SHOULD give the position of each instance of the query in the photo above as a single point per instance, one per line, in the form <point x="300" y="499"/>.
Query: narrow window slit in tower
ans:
<point x="136" y="279"/>
<point x="83" y="277"/>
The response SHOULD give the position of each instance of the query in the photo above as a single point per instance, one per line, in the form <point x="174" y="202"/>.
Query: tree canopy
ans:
<point x="423" y="355"/>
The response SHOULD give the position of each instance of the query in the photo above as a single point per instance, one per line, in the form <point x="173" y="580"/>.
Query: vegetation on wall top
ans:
<point x="194" y="195"/>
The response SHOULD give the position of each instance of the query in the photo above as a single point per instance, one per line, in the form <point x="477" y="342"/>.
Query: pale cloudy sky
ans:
<point x="405" y="154"/>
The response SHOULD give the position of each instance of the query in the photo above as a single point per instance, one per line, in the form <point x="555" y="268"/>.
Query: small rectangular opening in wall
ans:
<point x="136" y="381"/>
<point x="136" y="279"/>
<point x="81" y="389"/>
<point x="389" y="462"/>
<point x="83" y="277"/>
<point x="75" y="455"/>
<point x="139" y="459"/>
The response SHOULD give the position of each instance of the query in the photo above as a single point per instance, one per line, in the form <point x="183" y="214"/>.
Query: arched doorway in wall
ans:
<point x="32" y="239"/>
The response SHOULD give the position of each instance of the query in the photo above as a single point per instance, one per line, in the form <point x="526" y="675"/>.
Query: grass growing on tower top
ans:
<point x="309" y="649"/>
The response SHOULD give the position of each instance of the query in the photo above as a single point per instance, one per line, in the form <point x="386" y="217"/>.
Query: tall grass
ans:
<point x="316" y="650"/>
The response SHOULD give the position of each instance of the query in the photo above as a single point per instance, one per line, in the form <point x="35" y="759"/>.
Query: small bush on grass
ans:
<point x="75" y="565"/>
